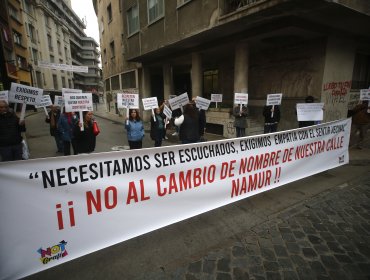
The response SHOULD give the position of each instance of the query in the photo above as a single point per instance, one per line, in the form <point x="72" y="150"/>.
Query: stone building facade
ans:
<point x="320" y="48"/>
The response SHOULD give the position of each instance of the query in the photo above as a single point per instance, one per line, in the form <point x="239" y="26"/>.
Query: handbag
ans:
<point x="96" y="129"/>
<point x="25" y="150"/>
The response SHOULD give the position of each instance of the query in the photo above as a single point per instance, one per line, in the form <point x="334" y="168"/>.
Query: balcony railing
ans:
<point x="233" y="5"/>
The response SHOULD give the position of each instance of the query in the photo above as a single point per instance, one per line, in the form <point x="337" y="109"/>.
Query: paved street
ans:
<point x="314" y="228"/>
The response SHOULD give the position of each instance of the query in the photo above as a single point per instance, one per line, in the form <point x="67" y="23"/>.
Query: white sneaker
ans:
<point x="174" y="134"/>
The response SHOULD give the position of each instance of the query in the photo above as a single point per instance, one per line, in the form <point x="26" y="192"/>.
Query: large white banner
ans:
<point x="56" y="209"/>
<point x="64" y="67"/>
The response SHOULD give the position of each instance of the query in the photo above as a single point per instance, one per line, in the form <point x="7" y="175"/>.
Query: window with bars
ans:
<point x="133" y="20"/>
<point x="155" y="10"/>
<point x="361" y="72"/>
<point x="128" y="80"/>
<point x="32" y="33"/>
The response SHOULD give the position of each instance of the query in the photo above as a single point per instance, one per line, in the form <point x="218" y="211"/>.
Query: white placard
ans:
<point x="202" y="103"/>
<point x="365" y="94"/>
<point x="58" y="101"/>
<point x="150" y="103"/>
<point x="69" y="207"/>
<point x="310" y="111"/>
<point x="78" y="102"/>
<point x="274" y="99"/>
<point x="216" y="97"/>
<point x="241" y="98"/>
<point x="167" y="111"/>
<point x="128" y="100"/>
<point x="25" y="94"/>
<point x="4" y="95"/>
<point x="179" y="101"/>
<point x="45" y="101"/>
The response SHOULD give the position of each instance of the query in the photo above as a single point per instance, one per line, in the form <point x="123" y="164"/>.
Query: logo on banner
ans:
<point x="341" y="159"/>
<point x="54" y="252"/>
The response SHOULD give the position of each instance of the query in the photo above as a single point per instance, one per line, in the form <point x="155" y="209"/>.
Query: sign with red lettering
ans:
<point x="54" y="210"/>
<point x="78" y="102"/>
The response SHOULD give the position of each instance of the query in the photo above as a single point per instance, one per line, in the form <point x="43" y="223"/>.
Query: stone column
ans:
<point x="241" y="67"/>
<point x="196" y="75"/>
<point x="167" y="81"/>
<point x="145" y="92"/>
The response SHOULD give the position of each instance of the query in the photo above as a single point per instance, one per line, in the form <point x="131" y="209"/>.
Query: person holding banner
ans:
<point x="188" y="124"/>
<point x="272" y="118"/>
<point x="360" y="121"/>
<point x="240" y="122"/>
<point x="157" y="127"/>
<point x="65" y="126"/>
<point x="309" y="99"/>
<point x="10" y="134"/>
<point x="135" y="130"/>
<point x="52" y="120"/>
<point x="85" y="140"/>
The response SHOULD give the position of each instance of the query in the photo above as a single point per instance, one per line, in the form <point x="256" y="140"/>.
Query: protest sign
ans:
<point x="179" y="101"/>
<point x="365" y="94"/>
<point x="274" y="99"/>
<point x="150" y="103"/>
<point x="58" y="101"/>
<point x="202" y="103"/>
<point x="128" y="100"/>
<point x="167" y="111"/>
<point x="45" y="102"/>
<point x="241" y="98"/>
<point x="216" y="98"/>
<point x="4" y="95"/>
<point x="310" y="111"/>
<point x="67" y="208"/>
<point x="24" y="94"/>
<point x="78" y="102"/>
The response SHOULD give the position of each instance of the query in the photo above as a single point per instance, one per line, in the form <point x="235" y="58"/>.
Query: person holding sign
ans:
<point x="135" y="130"/>
<point x="85" y="139"/>
<point x="65" y="126"/>
<point x="10" y="134"/>
<point x="309" y="99"/>
<point x="189" y="124"/>
<point x="272" y="118"/>
<point x="361" y="121"/>
<point x="52" y="120"/>
<point x="157" y="127"/>
<point x="240" y="113"/>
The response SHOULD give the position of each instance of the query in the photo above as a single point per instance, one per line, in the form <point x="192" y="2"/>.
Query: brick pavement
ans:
<point x="326" y="237"/>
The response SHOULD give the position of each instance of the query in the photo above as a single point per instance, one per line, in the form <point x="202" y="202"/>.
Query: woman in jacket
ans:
<point x="65" y="126"/>
<point x="157" y="127"/>
<point x="85" y="140"/>
<point x="240" y="122"/>
<point x="189" y="124"/>
<point x="135" y="130"/>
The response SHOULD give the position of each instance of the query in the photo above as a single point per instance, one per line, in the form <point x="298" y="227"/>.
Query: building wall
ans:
<point x="337" y="78"/>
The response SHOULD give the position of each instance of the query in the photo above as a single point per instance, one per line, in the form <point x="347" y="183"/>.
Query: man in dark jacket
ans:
<point x="10" y="134"/>
<point x="54" y="115"/>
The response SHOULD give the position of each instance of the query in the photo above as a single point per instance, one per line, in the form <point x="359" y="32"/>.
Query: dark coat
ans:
<point x="85" y="140"/>
<point x="267" y="114"/>
<point x="155" y="132"/>
<point x="10" y="129"/>
<point x="53" y="129"/>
